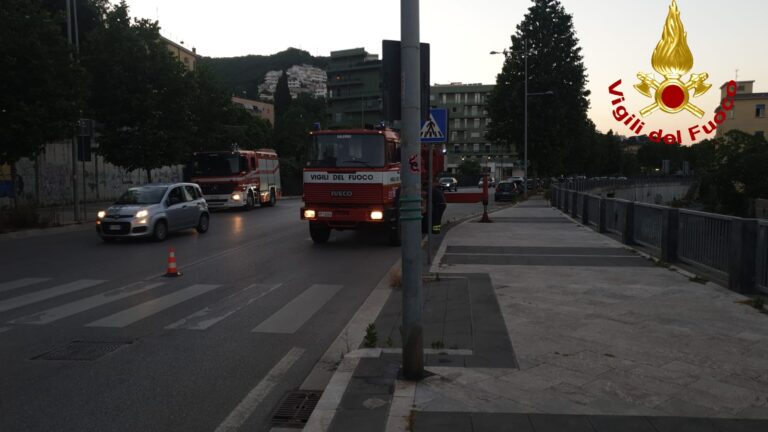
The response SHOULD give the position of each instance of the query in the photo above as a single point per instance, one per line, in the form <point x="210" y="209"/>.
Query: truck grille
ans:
<point x="343" y="193"/>
<point x="217" y="188"/>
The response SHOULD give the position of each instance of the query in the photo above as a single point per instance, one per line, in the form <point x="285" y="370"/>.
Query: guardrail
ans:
<point x="732" y="247"/>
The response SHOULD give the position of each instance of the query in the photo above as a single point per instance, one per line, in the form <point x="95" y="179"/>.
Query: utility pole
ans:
<point x="410" y="194"/>
<point x="525" y="151"/>
<point x="75" y="197"/>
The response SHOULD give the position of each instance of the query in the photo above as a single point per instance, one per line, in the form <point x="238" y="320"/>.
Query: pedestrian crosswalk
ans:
<point x="151" y="298"/>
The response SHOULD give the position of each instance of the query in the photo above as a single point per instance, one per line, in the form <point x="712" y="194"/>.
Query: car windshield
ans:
<point x="446" y="180"/>
<point x="348" y="150"/>
<point x="504" y="187"/>
<point x="142" y="195"/>
<point x="218" y="164"/>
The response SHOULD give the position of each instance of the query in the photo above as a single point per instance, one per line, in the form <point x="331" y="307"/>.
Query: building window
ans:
<point x="466" y="109"/>
<point x="478" y="99"/>
<point x="732" y="114"/>
<point x="456" y="148"/>
<point x="431" y="97"/>
<point x="453" y="136"/>
<point x="477" y="123"/>
<point x="458" y="98"/>
<point x="487" y="121"/>
<point x="443" y="97"/>
<point x="476" y="147"/>
<point x="474" y="110"/>
<point x="475" y="135"/>
<point x="453" y="109"/>
<point x="465" y="123"/>
<point x="488" y="148"/>
<point x="466" y="147"/>
<point x="760" y="110"/>
<point x="457" y="123"/>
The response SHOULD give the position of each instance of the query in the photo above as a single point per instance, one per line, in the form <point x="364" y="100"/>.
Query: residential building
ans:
<point x="261" y="109"/>
<point x="301" y="79"/>
<point x="189" y="58"/>
<point x="468" y="122"/>
<point x="749" y="111"/>
<point x="354" y="88"/>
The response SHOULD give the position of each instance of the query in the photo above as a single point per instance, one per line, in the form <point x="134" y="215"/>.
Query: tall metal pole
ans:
<point x="429" y="206"/>
<point x="525" y="127"/>
<point x="75" y="197"/>
<point x="410" y="194"/>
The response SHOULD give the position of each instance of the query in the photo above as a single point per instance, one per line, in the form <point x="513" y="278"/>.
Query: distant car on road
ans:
<point x="491" y="182"/>
<point x="506" y="191"/>
<point x="154" y="210"/>
<point x="449" y="183"/>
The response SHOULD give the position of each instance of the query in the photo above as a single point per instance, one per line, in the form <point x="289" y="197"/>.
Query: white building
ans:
<point x="301" y="79"/>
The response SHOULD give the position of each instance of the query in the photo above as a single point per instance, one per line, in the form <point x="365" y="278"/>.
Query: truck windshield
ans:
<point x="218" y="164"/>
<point x="347" y="150"/>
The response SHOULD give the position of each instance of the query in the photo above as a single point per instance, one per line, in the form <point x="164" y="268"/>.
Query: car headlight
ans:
<point x="101" y="214"/>
<point x="142" y="214"/>
<point x="309" y="214"/>
<point x="236" y="197"/>
<point x="377" y="215"/>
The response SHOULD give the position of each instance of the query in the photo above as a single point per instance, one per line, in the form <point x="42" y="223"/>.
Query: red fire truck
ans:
<point x="238" y="178"/>
<point x="351" y="182"/>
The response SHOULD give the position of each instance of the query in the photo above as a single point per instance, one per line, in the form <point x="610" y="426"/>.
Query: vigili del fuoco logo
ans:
<point x="672" y="59"/>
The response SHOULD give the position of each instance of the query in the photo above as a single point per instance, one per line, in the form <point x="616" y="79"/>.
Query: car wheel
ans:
<point x="319" y="234"/>
<point x="161" y="231"/>
<point x="202" y="225"/>
<point x="250" y="201"/>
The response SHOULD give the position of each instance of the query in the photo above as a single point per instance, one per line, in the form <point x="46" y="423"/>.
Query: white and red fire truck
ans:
<point x="238" y="178"/>
<point x="351" y="182"/>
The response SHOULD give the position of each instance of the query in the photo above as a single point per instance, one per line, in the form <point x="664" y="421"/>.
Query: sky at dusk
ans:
<point x="617" y="38"/>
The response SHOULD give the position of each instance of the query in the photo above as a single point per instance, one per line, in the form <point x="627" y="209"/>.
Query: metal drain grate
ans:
<point x="81" y="351"/>
<point x="295" y="408"/>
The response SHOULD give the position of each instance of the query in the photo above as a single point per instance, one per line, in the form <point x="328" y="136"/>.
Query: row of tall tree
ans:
<point x="151" y="111"/>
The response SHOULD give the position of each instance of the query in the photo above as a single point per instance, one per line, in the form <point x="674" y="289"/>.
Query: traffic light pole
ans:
<point x="410" y="196"/>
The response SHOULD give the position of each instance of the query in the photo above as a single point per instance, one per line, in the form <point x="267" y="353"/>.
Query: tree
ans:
<point x="469" y="167"/>
<point x="558" y="128"/>
<point x="282" y="97"/>
<point x="41" y="84"/>
<point x="141" y="94"/>
<point x="291" y="140"/>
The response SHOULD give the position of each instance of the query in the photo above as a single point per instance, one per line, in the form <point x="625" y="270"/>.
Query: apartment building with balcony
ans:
<point x="749" y="110"/>
<point x="468" y="122"/>
<point x="354" y="88"/>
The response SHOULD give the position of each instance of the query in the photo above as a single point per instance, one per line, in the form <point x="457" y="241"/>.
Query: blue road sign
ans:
<point x="435" y="129"/>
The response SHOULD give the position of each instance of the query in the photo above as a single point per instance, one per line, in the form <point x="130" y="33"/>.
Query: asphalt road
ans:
<point x="257" y="306"/>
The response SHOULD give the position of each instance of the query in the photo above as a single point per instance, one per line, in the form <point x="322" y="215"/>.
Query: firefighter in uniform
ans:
<point x="438" y="207"/>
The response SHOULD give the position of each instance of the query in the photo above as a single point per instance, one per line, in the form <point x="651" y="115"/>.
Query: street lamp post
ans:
<point x="525" y="110"/>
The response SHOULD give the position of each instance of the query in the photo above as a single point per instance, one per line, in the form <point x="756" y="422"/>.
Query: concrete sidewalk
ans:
<point x="538" y="323"/>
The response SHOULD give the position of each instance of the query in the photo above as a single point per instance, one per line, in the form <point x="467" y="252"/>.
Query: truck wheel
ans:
<point x="272" y="198"/>
<point x="319" y="234"/>
<point x="250" y="201"/>
<point x="395" y="234"/>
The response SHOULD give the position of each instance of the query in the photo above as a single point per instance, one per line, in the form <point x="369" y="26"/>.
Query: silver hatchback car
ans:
<point x="154" y="210"/>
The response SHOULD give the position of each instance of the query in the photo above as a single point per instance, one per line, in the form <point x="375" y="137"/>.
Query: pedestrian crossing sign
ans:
<point x="435" y="129"/>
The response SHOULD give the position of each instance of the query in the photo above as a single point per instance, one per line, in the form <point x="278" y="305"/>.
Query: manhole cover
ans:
<point x="295" y="408"/>
<point x="81" y="351"/>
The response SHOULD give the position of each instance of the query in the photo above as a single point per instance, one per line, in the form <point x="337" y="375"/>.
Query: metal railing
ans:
<point x="647" y="225"/>
<point x="593" y="210"/>
<point x="762" y="257"/>
<point x="704" y="239"/>
<point x="724" y="247"/>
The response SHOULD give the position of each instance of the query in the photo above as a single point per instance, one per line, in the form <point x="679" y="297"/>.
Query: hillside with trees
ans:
<point x="245" y="73"/>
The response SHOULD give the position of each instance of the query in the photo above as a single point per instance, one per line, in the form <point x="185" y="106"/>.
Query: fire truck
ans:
<point x="352" y="180"/>
<point x="238" y="178"/>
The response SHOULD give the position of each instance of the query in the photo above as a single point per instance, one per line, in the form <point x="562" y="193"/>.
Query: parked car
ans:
<point x="449" y="183"/>
<point x="154" y="210"/>
<point x="491" y="182"/>
<point x="506" y="191"/>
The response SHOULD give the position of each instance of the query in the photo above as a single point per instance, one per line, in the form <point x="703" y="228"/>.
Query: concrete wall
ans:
<point x="51" y="179"/>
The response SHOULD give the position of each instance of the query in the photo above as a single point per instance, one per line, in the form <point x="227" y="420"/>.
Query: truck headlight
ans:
<point x="377" y="215"/>
<point x="309" y="214"/>
<point x="142" y="214"/>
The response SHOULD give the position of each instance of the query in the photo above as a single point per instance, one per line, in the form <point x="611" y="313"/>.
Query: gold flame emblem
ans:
<point x="672" y="58"/>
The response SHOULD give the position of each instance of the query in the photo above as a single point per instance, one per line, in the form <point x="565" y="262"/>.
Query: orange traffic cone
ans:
<point x="172" y="270"/>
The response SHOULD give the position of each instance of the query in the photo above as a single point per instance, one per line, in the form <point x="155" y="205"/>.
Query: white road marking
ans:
<point x="146" y="309"/>
<point x="38" y="296"/>
<point x="76" y="307"/>
<point x="211" y="315"/>
<point x="18" y="283"/>
<point x="248" y="405"/>
<point x="293" y="315"/>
